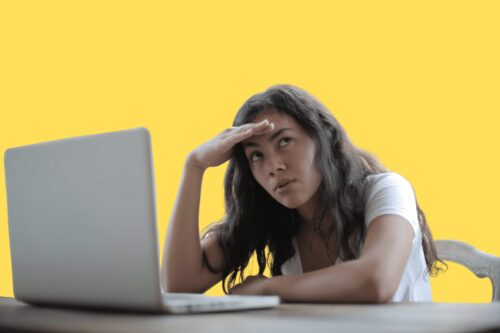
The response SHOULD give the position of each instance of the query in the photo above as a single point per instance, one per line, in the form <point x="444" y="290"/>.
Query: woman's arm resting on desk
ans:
<point x="374" y="277"/>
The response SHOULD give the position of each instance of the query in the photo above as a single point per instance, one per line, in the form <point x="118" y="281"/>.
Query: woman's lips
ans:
<point x="285" y="187"/>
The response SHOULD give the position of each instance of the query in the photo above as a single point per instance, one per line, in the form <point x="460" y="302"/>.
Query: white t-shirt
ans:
<point x="390" y="193"/>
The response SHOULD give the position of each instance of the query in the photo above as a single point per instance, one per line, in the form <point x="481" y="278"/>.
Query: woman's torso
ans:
<point x="311" y="252"/>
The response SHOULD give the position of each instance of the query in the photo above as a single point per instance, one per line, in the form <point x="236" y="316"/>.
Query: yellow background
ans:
<point x="414" y="82"/>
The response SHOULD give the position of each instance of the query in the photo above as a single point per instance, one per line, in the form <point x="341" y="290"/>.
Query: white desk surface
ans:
<point x="304" y="318"/>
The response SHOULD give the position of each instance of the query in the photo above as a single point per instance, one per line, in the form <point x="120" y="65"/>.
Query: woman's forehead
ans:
<point x="282" y="124"/>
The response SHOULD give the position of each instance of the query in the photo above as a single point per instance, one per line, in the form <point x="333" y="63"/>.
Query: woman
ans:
<point x="331" y="222"/>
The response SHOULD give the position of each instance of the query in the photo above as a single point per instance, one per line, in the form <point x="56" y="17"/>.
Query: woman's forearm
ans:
<point x="182" y="257"/>
<point x="349" y="281"/>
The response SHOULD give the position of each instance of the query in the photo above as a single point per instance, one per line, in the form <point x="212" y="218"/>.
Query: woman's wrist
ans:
<point x="192" y="162"/>
<point x="269" y="286"/>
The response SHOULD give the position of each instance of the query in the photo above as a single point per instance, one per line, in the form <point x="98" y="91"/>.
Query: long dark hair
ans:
<point x="254" y="220"/>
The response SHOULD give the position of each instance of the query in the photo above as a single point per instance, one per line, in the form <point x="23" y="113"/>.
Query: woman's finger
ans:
<point x="256" y="128"/>
<point x="241" y="135"/>
<point x="246" y="126"/>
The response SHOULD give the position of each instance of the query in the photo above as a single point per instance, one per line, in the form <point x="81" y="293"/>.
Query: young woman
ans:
<point x="331" y="222"/>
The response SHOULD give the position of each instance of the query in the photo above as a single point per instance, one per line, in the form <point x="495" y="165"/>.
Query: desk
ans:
<point x="303" y="318"/>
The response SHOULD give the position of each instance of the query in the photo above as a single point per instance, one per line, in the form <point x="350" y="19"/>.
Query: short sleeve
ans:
<point x="391" y="193"/>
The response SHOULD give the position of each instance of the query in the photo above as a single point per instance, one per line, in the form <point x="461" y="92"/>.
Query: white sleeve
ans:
<point x="391" y="193"/>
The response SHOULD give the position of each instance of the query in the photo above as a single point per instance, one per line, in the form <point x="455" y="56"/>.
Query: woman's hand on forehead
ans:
<point x="219" y="149"/>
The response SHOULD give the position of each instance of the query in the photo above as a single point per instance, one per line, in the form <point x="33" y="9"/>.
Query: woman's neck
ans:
<point x="314" y="227"/>
<point x="308" y="222"/>
<point x="307" y="210"/>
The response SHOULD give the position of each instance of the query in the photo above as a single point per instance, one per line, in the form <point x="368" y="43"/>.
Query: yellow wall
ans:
<point x="414" y="82"/>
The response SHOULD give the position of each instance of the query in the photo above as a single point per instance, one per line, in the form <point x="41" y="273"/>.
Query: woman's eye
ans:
<point x="253" y="155"/>
<point x="284" y="139"/>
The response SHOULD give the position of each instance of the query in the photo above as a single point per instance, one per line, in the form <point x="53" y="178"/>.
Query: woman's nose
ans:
<point x="275" y="165"/>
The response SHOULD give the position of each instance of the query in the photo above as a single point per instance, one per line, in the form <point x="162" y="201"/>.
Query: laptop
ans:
<point x="82" y="226"/>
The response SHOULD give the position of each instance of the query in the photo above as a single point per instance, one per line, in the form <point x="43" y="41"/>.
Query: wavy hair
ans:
<point x="254" y="220"/>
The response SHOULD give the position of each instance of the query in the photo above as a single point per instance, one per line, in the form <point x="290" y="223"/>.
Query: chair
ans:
<point x="480" y="263"/>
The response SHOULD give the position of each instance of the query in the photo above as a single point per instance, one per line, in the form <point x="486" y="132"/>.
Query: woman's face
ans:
<point x="282" y="161"/>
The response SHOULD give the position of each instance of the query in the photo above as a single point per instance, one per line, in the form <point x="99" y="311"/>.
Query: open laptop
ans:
<point x="82" y="225"/>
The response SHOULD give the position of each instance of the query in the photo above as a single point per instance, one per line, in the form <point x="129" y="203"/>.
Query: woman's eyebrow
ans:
<point x="274" y="136"/>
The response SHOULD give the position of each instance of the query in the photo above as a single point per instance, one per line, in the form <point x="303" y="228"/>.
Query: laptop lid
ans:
<point x="82" y="221"/>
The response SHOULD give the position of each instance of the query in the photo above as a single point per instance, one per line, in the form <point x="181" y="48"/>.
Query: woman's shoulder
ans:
<point x="384" y="179"/>
<point x="388" y="188"/>
<point x="390" y="193"/>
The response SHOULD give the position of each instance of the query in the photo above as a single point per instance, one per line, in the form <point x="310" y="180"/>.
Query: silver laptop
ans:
<point x="82" y="225"/>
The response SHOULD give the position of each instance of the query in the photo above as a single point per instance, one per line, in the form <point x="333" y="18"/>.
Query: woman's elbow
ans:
<point x="380" y="289"/>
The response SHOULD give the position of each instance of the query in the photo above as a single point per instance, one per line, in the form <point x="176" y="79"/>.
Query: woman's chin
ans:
<point x="290" y="204"/>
